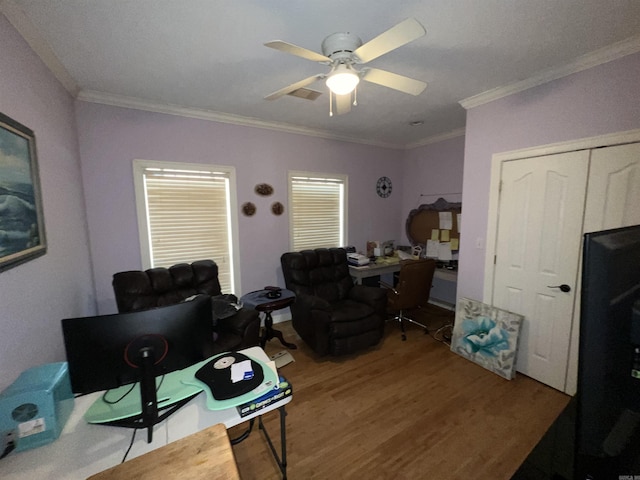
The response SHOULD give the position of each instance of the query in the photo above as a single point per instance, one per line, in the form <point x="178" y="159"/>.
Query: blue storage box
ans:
<point x="37" y="405"/>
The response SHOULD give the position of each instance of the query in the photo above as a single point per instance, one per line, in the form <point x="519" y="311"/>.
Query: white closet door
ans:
<point x="540" y="216"/>
<point x="613" y="196"/>
<point x="613" y="200"/>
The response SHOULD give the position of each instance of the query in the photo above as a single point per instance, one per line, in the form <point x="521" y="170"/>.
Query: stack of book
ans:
<point x="283" y="390"/>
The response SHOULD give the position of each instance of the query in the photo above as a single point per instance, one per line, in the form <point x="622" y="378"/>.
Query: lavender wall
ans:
<point x="111" y="137"/>
<point x="604" y="99"/>
<point x="431" y="172"/>
<point x="36" y="295"/>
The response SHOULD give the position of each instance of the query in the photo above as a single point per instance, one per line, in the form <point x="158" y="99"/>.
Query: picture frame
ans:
<point x="487" y="336"/>
<point x="22" y="232"/>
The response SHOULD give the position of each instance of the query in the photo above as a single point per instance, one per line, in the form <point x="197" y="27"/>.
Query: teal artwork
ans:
<point x="487" y="336"/>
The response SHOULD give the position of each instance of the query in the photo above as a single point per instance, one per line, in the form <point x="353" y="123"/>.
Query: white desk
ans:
<point x="373" y="270"/>
<point x="84" y="449"/>
<point x="442" y="294"/>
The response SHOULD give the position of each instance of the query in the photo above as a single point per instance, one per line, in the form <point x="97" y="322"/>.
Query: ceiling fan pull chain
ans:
<point x="355" y="97"/>
<point x="330" y="104"/>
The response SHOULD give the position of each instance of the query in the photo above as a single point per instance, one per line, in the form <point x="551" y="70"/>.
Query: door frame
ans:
<point x="497" y="160"/>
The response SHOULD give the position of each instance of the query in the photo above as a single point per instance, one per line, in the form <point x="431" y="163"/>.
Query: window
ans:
<point x="184" y="214"/>
<point x="317" y="210"/>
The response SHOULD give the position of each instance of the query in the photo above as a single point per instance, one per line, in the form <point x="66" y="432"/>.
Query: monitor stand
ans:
<point x="144" y="421"/>
<point x="146" y="413"/>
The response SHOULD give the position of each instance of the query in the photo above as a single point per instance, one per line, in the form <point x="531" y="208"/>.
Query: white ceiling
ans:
<point x="206" y="57"/>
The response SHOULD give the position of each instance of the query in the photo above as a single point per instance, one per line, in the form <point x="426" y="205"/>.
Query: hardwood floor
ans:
<point x="400" y="410"/>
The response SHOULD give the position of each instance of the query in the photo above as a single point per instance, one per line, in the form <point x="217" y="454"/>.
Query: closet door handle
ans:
<point x="564" y="287"/>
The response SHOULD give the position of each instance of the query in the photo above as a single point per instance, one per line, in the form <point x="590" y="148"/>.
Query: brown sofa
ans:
<point x="140" y="290"/>
<point x="331" y="314"/>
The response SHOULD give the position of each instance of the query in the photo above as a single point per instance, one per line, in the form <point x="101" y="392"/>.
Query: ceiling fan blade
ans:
<point x="343" y="104"/>
<point x="294" y="86"/>
<point x="403" y="33"/>
<point x="395" y="81"/>
<point x="298" y="51"/>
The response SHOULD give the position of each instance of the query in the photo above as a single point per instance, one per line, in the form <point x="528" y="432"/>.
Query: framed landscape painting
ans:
<point x="22" y="236"/>
<point x="487" y="336"/>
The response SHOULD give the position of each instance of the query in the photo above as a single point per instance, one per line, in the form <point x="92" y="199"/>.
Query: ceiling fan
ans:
<point x="343" y="51"/>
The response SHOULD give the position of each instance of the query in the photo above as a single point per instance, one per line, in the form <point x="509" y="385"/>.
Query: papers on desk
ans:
<point x="382" y="261"/>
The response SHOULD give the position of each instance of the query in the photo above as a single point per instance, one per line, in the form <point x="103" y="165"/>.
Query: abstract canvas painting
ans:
<point x="487" y="336"/>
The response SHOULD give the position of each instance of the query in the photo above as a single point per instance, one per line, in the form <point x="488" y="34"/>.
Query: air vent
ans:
<point x="305" y="93"/>
<point x="24" y="412"/>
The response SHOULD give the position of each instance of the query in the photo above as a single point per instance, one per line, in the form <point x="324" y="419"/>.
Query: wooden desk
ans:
<point x="206" y="454"/>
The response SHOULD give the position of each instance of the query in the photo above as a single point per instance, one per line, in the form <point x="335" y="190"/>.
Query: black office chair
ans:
<point x="411" y="292"/>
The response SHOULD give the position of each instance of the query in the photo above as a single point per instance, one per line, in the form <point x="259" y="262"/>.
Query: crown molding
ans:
<point x="115" y="100"/>
<point x="29" y="32"/>
<point x="459" y="132"/>
<point x="593" y="59"/>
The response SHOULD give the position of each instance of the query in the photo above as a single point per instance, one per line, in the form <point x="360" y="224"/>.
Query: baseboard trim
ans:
<point x="445" y="305"/>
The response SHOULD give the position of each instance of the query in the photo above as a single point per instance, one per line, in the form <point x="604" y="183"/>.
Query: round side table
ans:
<point x="260" y="302"/>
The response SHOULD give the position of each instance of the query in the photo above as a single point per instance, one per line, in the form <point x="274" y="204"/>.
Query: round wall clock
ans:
<point x="384" y="187"/>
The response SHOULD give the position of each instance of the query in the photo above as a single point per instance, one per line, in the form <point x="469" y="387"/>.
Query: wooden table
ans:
<point x="206" y="454"/>
<point x="261" y="302"/>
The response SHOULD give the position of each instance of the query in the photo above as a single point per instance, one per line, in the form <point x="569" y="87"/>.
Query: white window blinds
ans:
<point x="187" y="213"/>
<point x="317" y="210"/>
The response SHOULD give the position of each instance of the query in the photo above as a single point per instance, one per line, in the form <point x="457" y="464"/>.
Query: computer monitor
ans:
<point x="108" y="351"/>
<point x="608" y="397"/>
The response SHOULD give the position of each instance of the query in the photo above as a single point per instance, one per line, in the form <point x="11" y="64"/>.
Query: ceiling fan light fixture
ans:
<point x="343" y="79"/>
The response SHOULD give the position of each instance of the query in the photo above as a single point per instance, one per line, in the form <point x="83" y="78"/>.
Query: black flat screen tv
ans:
<point x="608" y="397"/>
<point x="109" y="351"/>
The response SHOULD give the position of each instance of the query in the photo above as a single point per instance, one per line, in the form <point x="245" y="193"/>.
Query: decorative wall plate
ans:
<point x="264" y="189"/>
<point x="248" y="209"/>
<point x="277" y="208"/>
<point x="384" y="187"/>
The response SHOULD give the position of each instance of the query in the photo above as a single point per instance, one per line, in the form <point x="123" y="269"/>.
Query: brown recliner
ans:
<point x="331" y="314"/>
<point x="412" y="290"/>
<point x="139" y="290"/>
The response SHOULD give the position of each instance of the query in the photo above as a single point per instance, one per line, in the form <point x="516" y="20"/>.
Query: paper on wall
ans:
<point x="433" y="247"/>
<point x="444" y="251"/>
<point x="446" y="220"/>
